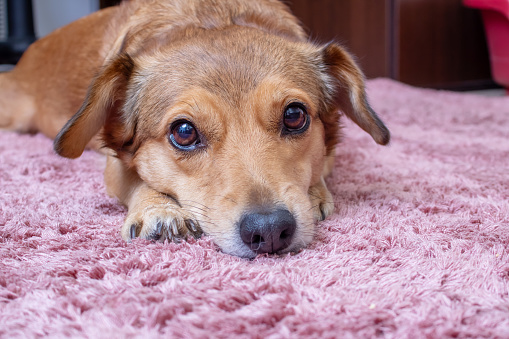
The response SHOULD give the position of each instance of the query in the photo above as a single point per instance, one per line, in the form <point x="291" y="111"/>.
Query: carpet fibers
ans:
<point x="418" y="246"/>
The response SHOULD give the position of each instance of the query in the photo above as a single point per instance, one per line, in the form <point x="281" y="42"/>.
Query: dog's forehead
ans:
<point x="231" y="63"/>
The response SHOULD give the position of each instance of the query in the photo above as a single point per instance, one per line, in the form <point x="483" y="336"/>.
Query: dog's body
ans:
<point x="216" y="116"/>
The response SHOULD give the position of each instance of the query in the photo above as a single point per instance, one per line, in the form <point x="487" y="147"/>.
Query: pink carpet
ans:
<point x="418" y="247"/>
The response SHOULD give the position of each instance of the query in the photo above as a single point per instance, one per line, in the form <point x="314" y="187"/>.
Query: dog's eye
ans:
<point x="295" y="118"/>
<point x="183" y="135"/>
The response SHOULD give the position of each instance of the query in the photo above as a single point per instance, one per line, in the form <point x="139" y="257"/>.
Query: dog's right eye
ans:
<point x="295" y="119"/>
<point x="183" y="135"/>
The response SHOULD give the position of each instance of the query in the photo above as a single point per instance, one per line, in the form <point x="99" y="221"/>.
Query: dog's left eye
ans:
<point x="295" y="118"/>
<point x="183" y="135"/>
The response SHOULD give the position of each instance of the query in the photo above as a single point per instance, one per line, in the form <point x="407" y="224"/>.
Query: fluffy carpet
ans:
<point x="418" y="246"/>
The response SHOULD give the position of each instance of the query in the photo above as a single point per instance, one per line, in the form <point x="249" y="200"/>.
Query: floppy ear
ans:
<point x="349" y="94"/>
<point x="103" y="103"/>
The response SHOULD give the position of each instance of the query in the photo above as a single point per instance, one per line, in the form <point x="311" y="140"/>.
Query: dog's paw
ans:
<point x="321" y="201"/>
<point x="159" y="222"/>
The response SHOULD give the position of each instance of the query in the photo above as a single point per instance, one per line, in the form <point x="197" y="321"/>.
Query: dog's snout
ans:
<point x="267" y="232"/>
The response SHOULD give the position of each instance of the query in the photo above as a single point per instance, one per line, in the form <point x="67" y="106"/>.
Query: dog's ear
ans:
<point x="348" y="92"/>
<point x="102" y="104"/>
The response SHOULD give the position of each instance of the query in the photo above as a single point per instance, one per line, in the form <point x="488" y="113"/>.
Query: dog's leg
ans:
<point x="329" y="163"/>
<point x="151" y="215"/>
<point x="321" y="200"/>
<point x="16" y="107"/>
<point x="155" y="216"/>
<point x="319" y="195"/>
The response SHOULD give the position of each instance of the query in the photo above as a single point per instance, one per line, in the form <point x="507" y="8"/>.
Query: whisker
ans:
<point x="194" y="202"/>
<point x="316" y="196"/>
<point x="196" y="212"/>
<point x="318" y="205"/>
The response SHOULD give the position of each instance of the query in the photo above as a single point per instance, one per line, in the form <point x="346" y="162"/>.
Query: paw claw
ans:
<point x="174" y="228"/>
<point x="158" y="232"/>
<point x="195" y="230"/>
<point x="190" y="225"/>
<point x="326" y="209"/>
<point x="133" y="231"/>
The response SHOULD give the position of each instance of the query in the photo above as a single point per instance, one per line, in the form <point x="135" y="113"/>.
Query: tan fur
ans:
<point x="230" y="67"/>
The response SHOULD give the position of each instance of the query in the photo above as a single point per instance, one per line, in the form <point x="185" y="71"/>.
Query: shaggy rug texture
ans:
<point x="418" y="246"/>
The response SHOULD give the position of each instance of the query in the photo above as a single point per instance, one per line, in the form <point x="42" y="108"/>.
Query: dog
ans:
<point x="216" y="116"/>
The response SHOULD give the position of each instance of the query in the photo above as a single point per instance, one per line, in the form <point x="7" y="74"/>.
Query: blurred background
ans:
<point x="428" y="43"/>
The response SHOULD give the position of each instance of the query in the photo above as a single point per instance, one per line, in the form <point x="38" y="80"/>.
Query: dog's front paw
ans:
<point x="321" y="201"/>
<point x="160" y="221"/>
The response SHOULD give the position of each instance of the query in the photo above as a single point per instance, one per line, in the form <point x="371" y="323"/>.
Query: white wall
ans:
<point x="51" y="14"/>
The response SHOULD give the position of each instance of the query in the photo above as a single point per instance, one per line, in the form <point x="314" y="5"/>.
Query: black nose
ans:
<point x="267" y="232"/>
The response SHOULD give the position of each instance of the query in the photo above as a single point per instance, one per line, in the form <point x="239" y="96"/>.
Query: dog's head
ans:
<point x="235" y="124"/>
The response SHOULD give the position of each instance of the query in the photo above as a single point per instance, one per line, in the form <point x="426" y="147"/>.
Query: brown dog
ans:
<point x="216" y="116"/>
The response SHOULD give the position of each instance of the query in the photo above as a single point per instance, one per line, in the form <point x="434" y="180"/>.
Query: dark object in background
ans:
<point x="17" y="27"/>
<point x="18" y="24"/>
<point x="428" y="43"/>
<point x="108" y="3"/>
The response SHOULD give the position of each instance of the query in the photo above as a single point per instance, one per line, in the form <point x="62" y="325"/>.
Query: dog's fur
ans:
<point x="229" y="67"/>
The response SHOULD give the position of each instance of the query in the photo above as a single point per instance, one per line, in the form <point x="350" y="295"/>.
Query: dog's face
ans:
<point x="233" y="124"/>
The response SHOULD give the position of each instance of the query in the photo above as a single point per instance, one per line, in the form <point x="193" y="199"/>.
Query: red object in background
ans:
<point x="495" y="15"/>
